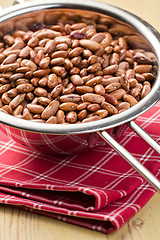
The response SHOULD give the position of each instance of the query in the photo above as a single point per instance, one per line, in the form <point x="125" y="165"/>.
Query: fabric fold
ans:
<point x="97" y="189"/>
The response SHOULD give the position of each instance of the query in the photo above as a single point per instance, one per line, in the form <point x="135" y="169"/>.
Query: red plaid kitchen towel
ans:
<point x="97" y="189"/>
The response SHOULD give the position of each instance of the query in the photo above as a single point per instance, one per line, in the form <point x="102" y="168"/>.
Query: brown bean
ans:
<point x="130" y="99"/>
<point x="84" y="89"/>
<point x="75" y="52"/>
<point x="132" y="82"/>
<point x="130" y="73"/>
<point x="63" y="39"/>
<point x="110" y="99"/>
<point x="10" y="59"/>
<point x="21" y="81"/>
<point x="40" y="92"/>
<point x="82" y="114"/>
<point x="74" y="71"/>
<point x="34" y="108"/>
<point x="41" y="72"/>
<point x="93" y="107"/>
<point x="46" y="33"/>
<point x="93" y="81"/>
<point x="29" y="74"/>
<point x="99" y="89"/>
<point x="83" y="106"/>
<point x="123" y="65"/>
<point x="110" y="108"/>
<point x="109" y="80"/>
<point x="33" y="42"/>
<point x="69" y="89"/>
<point x="143" y="68"/>
<point x="140" y="58"/>
<point x="44" y="63"/>
<point x="42" y="82"/>
<point x="93" y="98"/>
<point x="136" y="90"/>
<point x="30" y="96"/>
<point x="112" y="87"/>
<point x="52" y="120"/>
<point x="68" y="106"/>
<point x="17" y="45"/>
<point x="60" y="117"/>
<point x="7" y="108"/>
<point x="2" y="57"/>
<point x="22" y="70"/>
<point x="27" y="114"/>
<point x="4" y="81"/>
<point x="76" y="26"/>
<point x="43" y="101"/>
<point x="146" y="89"/>
<point x="98" y="37"/>
<point x="139" y="77"/>
<point x="124" y="82"/>
<point x="24" y="53"/>
<point x="17" y="100"/>
<point x="5" y="88"/>
<point x="57" y="61"/>
<point x="7" y="52"/>
<point x="5" y="99"/>
<point x="52" y="80"/>
<point x="68" y="64"/>
<point x="76" y="80"/>
<point x="58" y="70"/>
<point x="76" y="61"/>
<point x="29" y="64"/>
<point x="25" y="88"/>
<point x="114" y="59"/>
<point x="49" y="46"/>
<point x="94" y="68"/>
<point x="70" y="98"/>
<point x="9" y="67"/>
<point x="34" y="57"/>
<point x="8" y="39"/>
<point x="89" y="44"/>
<point x="56" y="91"/>
<point x="12" y="92"/>
<point x="118" y="94"/>
<point x="58" y="54"/>
<point x="18" y="110"/>
<point x="101" y="113"/>
<point x="123" y="105"/>
<point x="148" y="76"/>
<point x="71" y="117"/>
<point x="37" y="120"/>
<point x="110" y="69"/>
<point x="50" y="110"/>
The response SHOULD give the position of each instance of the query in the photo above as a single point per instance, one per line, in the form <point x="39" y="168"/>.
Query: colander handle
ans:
<point x="143" y="134"/>
<point x="131" y="159"/>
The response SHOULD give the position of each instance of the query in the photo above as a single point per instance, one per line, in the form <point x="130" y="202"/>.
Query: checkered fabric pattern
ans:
<point x="97" y="190"/>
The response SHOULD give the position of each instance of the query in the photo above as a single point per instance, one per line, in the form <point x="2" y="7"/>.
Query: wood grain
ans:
<point x="16" y="224"/>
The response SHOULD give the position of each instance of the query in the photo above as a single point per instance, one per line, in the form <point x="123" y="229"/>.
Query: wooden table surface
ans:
<point x="16" y="224"/>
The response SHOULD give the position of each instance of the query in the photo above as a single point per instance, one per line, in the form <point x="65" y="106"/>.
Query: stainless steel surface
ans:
<point x="131" y="160"/>
<point x="32" y="9"/>
<point x="143" y="134"/>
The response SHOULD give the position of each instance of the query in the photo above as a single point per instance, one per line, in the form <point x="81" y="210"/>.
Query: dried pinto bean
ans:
<point x="72" y="70"/>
